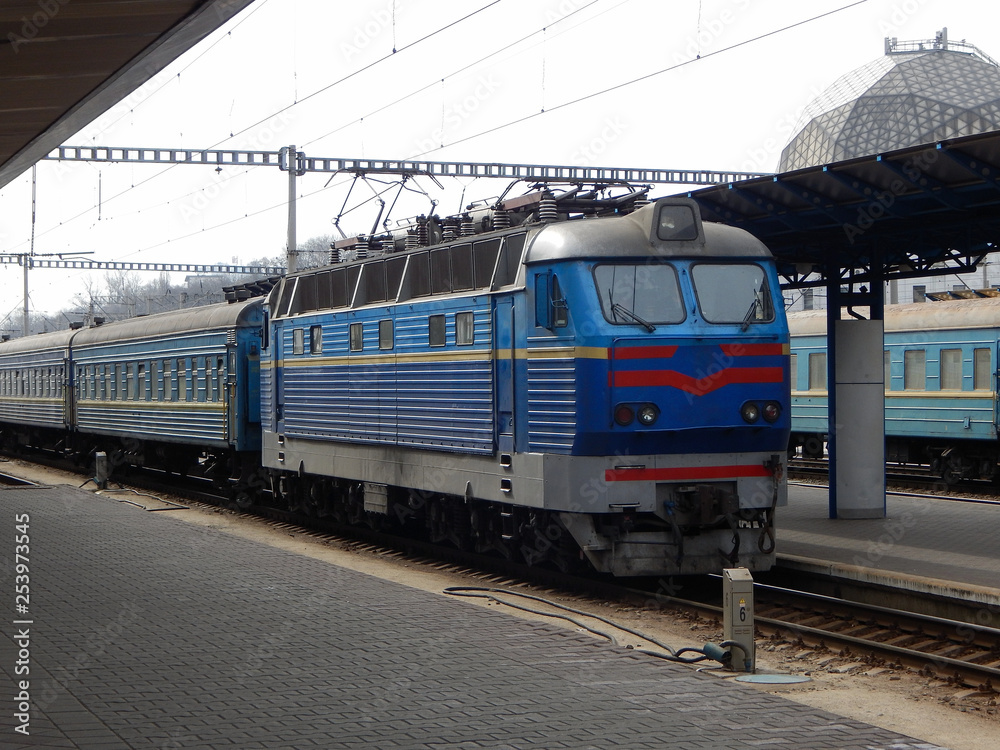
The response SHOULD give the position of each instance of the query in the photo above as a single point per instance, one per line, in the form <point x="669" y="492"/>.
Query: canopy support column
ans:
<point x="856" y="402"/>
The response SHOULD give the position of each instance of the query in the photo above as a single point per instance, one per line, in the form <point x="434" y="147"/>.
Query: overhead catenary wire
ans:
<point x="639" y="79"/>
<point x="274" y="114"/>
<point x="516" y="121"/>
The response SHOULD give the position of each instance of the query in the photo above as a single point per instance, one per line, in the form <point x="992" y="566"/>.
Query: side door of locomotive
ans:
<point x="503" y="355"/>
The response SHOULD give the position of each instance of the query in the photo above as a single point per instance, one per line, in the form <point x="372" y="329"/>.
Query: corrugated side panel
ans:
<point x="191" y="422"/>
<point x="551" y="403"/>
<point x="37" y="412"/>
<point x="413" y="396"/>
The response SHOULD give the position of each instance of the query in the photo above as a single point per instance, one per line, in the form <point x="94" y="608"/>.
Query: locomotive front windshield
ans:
<point x="733" y="293"/>
<point x="643" y="294"/>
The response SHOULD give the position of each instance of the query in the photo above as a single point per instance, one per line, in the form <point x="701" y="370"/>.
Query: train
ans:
<point x="940" y="373"/>
<point x="559" y="379"/>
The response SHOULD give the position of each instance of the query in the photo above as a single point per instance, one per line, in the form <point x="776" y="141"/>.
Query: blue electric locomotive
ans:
<point x="940" y="364"/>
<point x="613" y="386"/>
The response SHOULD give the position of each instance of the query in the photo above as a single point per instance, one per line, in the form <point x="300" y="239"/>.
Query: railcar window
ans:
<point x="357" y="337"/>
<point x="886" y="370"/>
<point x="132" y="391"/>
<point x="732" y="293"/>
<point x="793" y="371"/>
<point x="914" y="370"/>
<point x="298" y="341"/>
<point x="817" y="371"/>
<point x="437" y="330"/>
<point x="465" y="332"/>
<point x="220" y="378"/>
<point x="316" y="340"/>
<point x="385" y="339"/>
<point x="182" y="385"/>
<point x="635" y="294"/>
<point x="140" y="381"/>
<point x="982" y="372"/>
<point x="199" y="379"/>
<point x="951" y="369"/>
<point x="168" y="381"/>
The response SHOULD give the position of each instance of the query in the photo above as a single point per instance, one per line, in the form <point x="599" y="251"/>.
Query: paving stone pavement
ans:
<point x="921" y="536"/>
<point x="147" y="632"/>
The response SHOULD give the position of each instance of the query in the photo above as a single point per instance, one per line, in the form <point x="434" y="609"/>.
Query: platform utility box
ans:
<point x="737" y="617"/>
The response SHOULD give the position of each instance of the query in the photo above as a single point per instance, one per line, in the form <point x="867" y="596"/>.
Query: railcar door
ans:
<point x="232" y="410"/>
<point x="69" y="385"/>
<point x="995" y="385"/>
<point x="503" y="351"/>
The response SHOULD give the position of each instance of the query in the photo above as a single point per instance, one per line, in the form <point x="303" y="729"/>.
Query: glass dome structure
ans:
<point x="918" y="92"/>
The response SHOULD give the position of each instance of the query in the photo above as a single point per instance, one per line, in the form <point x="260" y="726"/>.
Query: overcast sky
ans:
<point x="709" y="84"/>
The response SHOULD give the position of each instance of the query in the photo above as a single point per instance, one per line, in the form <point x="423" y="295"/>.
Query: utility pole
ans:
<point x="27" y="258"/>
<point x="290" y="158"/>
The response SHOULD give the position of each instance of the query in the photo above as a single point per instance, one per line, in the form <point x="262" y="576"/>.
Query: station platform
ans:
<point x="144" y="631"/>
<point x="944" y="547"/>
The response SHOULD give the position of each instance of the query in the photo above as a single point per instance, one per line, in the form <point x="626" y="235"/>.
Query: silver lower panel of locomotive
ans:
<point x="687" y="526"/>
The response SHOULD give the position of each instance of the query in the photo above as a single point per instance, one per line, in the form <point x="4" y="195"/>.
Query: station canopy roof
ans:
<point x="913" y="212"/>
<point x="64" y="63"/>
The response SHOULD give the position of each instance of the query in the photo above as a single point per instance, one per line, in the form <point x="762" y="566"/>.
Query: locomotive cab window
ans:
<point x="550" y="304"/>
<point x="639" y="294"/>
<point x="298" y="341"/>
<point x="733" y="293"/>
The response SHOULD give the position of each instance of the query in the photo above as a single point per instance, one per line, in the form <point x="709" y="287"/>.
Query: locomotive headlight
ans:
<point x="771" y="411"/>
<point x="648" y="414"/>
<point x="750" y="412"/>
<point x="624" y="414"/>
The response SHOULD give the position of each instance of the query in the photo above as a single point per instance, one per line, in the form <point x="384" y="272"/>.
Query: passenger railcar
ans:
<point x="614" y="387"/>
<point x="33" y="384"/>
<point x="940" y="364"/>
<point x="178" y="390"/>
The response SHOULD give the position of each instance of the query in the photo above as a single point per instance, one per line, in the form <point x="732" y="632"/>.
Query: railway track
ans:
<point x="902" y="478"/>
<point x="961" y="653"/>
